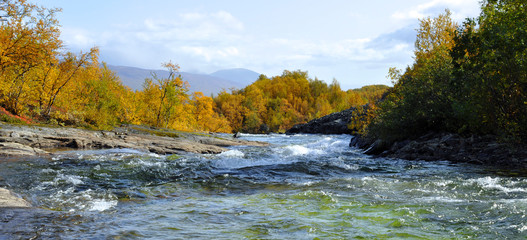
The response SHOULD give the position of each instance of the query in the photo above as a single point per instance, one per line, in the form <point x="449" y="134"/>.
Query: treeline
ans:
<point x="468" y="79"/>
<point x="276" y="104"/>
<point x="41" y="81"/>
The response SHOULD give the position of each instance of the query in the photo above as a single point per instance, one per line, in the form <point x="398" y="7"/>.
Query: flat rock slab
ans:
<point x="17" y="149"/>
<point x="36" y="140"/>
<point x="34" y="223"/>
<point x="8" y="199"/>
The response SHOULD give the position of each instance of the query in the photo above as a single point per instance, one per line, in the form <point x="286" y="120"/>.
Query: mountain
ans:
<point x="206" y="83"/>
<point x="239" y="75"/>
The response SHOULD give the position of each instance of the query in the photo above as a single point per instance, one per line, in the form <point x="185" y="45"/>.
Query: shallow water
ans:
<point x="300" y="187"/>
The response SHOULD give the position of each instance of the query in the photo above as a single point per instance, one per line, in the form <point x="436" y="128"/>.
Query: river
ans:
<point x="299" y="187"/>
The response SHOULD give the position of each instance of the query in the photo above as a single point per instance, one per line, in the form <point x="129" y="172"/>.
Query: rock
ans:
<point x="335" y="123"/>
<point x="264" y="128"/>
<point x="359" y="141"/>
<point x="31" y="141"/>
<point x="355" y="142"/>
<point x="376" y="147"/>
<point x="17" y="149"/>
<point x="450" y="140"/>
<point x="8" y="199"/>
<point x="486" y="150"/>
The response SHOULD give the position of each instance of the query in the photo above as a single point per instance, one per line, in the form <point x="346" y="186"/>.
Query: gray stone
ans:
<point x="335" y="123"/>
<point x="17" y="149"/>
<point x="8" y="199"/>
<point x="34" y="140"/>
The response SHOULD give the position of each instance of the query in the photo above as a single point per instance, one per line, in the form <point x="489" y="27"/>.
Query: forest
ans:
<point x="467" y="79"/>
<point x="43" y="83"/>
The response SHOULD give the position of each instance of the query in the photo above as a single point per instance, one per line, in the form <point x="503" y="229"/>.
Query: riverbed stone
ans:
<point x="486" y="150"/>
<point x="31" y="140"/>
<point x="17" y="149"/>
<point x="8" y="199"/>
<point x="335" y="123"/>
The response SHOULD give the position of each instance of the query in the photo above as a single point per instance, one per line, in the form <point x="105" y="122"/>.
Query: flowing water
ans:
<point x="299" y="187"/>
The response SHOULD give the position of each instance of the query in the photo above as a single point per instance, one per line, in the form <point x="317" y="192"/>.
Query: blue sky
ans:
<point x="352" y="41"/>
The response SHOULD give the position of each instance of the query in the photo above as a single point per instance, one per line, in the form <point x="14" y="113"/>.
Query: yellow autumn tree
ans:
<point x="161" y="96"/>
<point x="206" y="118"/>
<point x="59" y="76"/>
<point x="276" y="104"/>
<point x="232" y="108"/>
<point x="29" y="38"/>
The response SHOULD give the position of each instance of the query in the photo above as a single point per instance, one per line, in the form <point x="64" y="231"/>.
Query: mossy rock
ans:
<point x="173" y="157"/>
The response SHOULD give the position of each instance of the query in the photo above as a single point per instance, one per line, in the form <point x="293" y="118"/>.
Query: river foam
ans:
<point x="301" y="187"/>
<point x="496" y="183"/>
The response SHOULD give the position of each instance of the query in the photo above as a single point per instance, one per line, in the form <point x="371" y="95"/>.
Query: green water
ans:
<point x="300" y="187"/>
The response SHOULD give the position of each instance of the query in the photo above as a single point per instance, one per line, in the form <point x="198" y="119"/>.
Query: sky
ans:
<point x="354" y="42"/>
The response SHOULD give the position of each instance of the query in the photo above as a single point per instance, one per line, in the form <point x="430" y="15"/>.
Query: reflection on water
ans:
<point x="299" y="187"/>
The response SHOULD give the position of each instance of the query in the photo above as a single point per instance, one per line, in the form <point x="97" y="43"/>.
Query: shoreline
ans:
<point x="433" y="146"/>
<point x="480" y="150"/>
<point x="39" y="141"/>
<point x="42" y="141"/>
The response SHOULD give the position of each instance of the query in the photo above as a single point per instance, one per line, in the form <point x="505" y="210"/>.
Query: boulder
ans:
<point x="8" y="199"/>
<point x="486" y="150"/>
<point x="335" y="123"/>
<point x="17" y="149"/>
<point x="31" y="140"/>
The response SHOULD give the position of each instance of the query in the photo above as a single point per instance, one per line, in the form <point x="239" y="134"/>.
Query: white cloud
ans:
<point x="209" y="54"/>
<point x="191" y="26"/>
<point x="339" y="50"/>
<point x="211" y="41"/>
<point x="347" y="40"/>
<point x="78" y="38"/>
<point x="192" y="37"/>
<point x="460" y="9"/>
<point x="228" y="19"/>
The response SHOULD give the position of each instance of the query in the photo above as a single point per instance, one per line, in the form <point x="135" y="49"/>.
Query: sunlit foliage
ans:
<point x="276" y="104"/>
<point x="468" y="79"/>
<point x="40" y="80"/>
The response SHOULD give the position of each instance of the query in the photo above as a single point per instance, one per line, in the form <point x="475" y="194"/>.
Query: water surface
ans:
<point x="299" y="187"/>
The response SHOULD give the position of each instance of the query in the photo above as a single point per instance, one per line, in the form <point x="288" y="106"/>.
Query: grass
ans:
<point x="11" y="120"/>
<point x="156" y="132"/>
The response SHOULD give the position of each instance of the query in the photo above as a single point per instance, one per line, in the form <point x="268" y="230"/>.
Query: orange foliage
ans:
<point x="276" y="104"/>
<point x="39" y="79"/>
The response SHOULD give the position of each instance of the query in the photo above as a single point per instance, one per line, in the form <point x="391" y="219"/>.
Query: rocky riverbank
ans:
<point x="485" y="150"/>
<point x="335" y="123"/>
<point x="25" y="141"/>
<point x="36" y="140"/>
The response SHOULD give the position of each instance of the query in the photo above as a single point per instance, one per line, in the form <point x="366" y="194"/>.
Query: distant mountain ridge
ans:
<point x="239" y="75"/>
<point x="208" y="84"/>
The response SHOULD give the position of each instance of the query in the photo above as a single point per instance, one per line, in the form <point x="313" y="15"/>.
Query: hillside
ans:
<point x="240" y="75"/>
<point x="206" y="83"/>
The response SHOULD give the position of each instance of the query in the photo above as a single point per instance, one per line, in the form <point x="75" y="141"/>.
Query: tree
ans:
<point x="276" y="104"/>
<point x="29" y="38"/>
<point x="65" y="72"/>
<point x="419" y="101"/>
<point x="102" y="104"/>
<point x="231" y="106"/>
<point x="491" y="70"/>
<point x="472" y="80"/>
<point x="206" y="118"/>
<point x="160" y="97"/>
